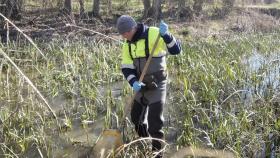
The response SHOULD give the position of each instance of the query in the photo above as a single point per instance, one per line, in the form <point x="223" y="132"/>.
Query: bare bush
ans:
<point x="252" y="21"/>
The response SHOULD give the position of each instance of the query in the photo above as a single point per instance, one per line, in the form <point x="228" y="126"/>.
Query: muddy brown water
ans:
<point x="78" y="141"/>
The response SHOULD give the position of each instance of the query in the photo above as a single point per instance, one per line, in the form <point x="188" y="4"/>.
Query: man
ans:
<point x="151" y="93"/>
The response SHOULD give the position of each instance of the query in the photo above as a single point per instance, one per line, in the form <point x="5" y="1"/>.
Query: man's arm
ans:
<point x="173" y="45"/>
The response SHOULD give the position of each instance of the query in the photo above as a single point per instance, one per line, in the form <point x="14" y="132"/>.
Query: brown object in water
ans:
<point x="109" y="141"/>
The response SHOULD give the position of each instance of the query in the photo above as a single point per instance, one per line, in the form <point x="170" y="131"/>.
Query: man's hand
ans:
<point x="137" y="86"/>
<point x="163" y="28"/>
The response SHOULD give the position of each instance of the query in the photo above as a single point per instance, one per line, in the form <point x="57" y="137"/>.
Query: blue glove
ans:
<point x="163" y="28"/>
<point x="137" y="86"/>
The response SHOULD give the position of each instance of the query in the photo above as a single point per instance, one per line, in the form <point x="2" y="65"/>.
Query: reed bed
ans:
<point x="209" y="87"/>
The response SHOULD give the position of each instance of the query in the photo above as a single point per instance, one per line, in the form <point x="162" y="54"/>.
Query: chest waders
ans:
<point x="147" y="109"/>
<point x="142" y="127"/>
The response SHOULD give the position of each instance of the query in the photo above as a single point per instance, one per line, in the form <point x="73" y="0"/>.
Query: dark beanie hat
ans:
<point x="125" y="23"/>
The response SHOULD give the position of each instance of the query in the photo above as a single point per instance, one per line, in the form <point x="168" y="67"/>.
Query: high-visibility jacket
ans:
<point x="135" y="52"/>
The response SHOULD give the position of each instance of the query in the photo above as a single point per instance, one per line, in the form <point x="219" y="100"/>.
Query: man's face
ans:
<point x="128" y="35"/>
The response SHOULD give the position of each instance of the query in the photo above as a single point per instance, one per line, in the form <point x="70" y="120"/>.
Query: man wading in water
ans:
<point x="151" y="93"/>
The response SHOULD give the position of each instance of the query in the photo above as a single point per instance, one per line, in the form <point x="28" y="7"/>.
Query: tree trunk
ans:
<point x="96" y="8"/>
<point x="153" y="10"/>
<point x="156" y="9"/>
<point x="44" y="4"/>
<point x="184" y="11"/>
<point x="68" y="6"/>
<point x="147" y="7"/>
<point x="197" y="6"/>
<point x="2" y="11"/>
<point x="82" y="8"/>
<point x="181" y="6"/>
<point x="11" y="8"/>
<point x="109" y="6"/>
<point x="2" y="7"/>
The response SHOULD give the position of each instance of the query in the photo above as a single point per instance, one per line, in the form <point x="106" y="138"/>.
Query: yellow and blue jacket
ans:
<point x="136" y="52"/>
